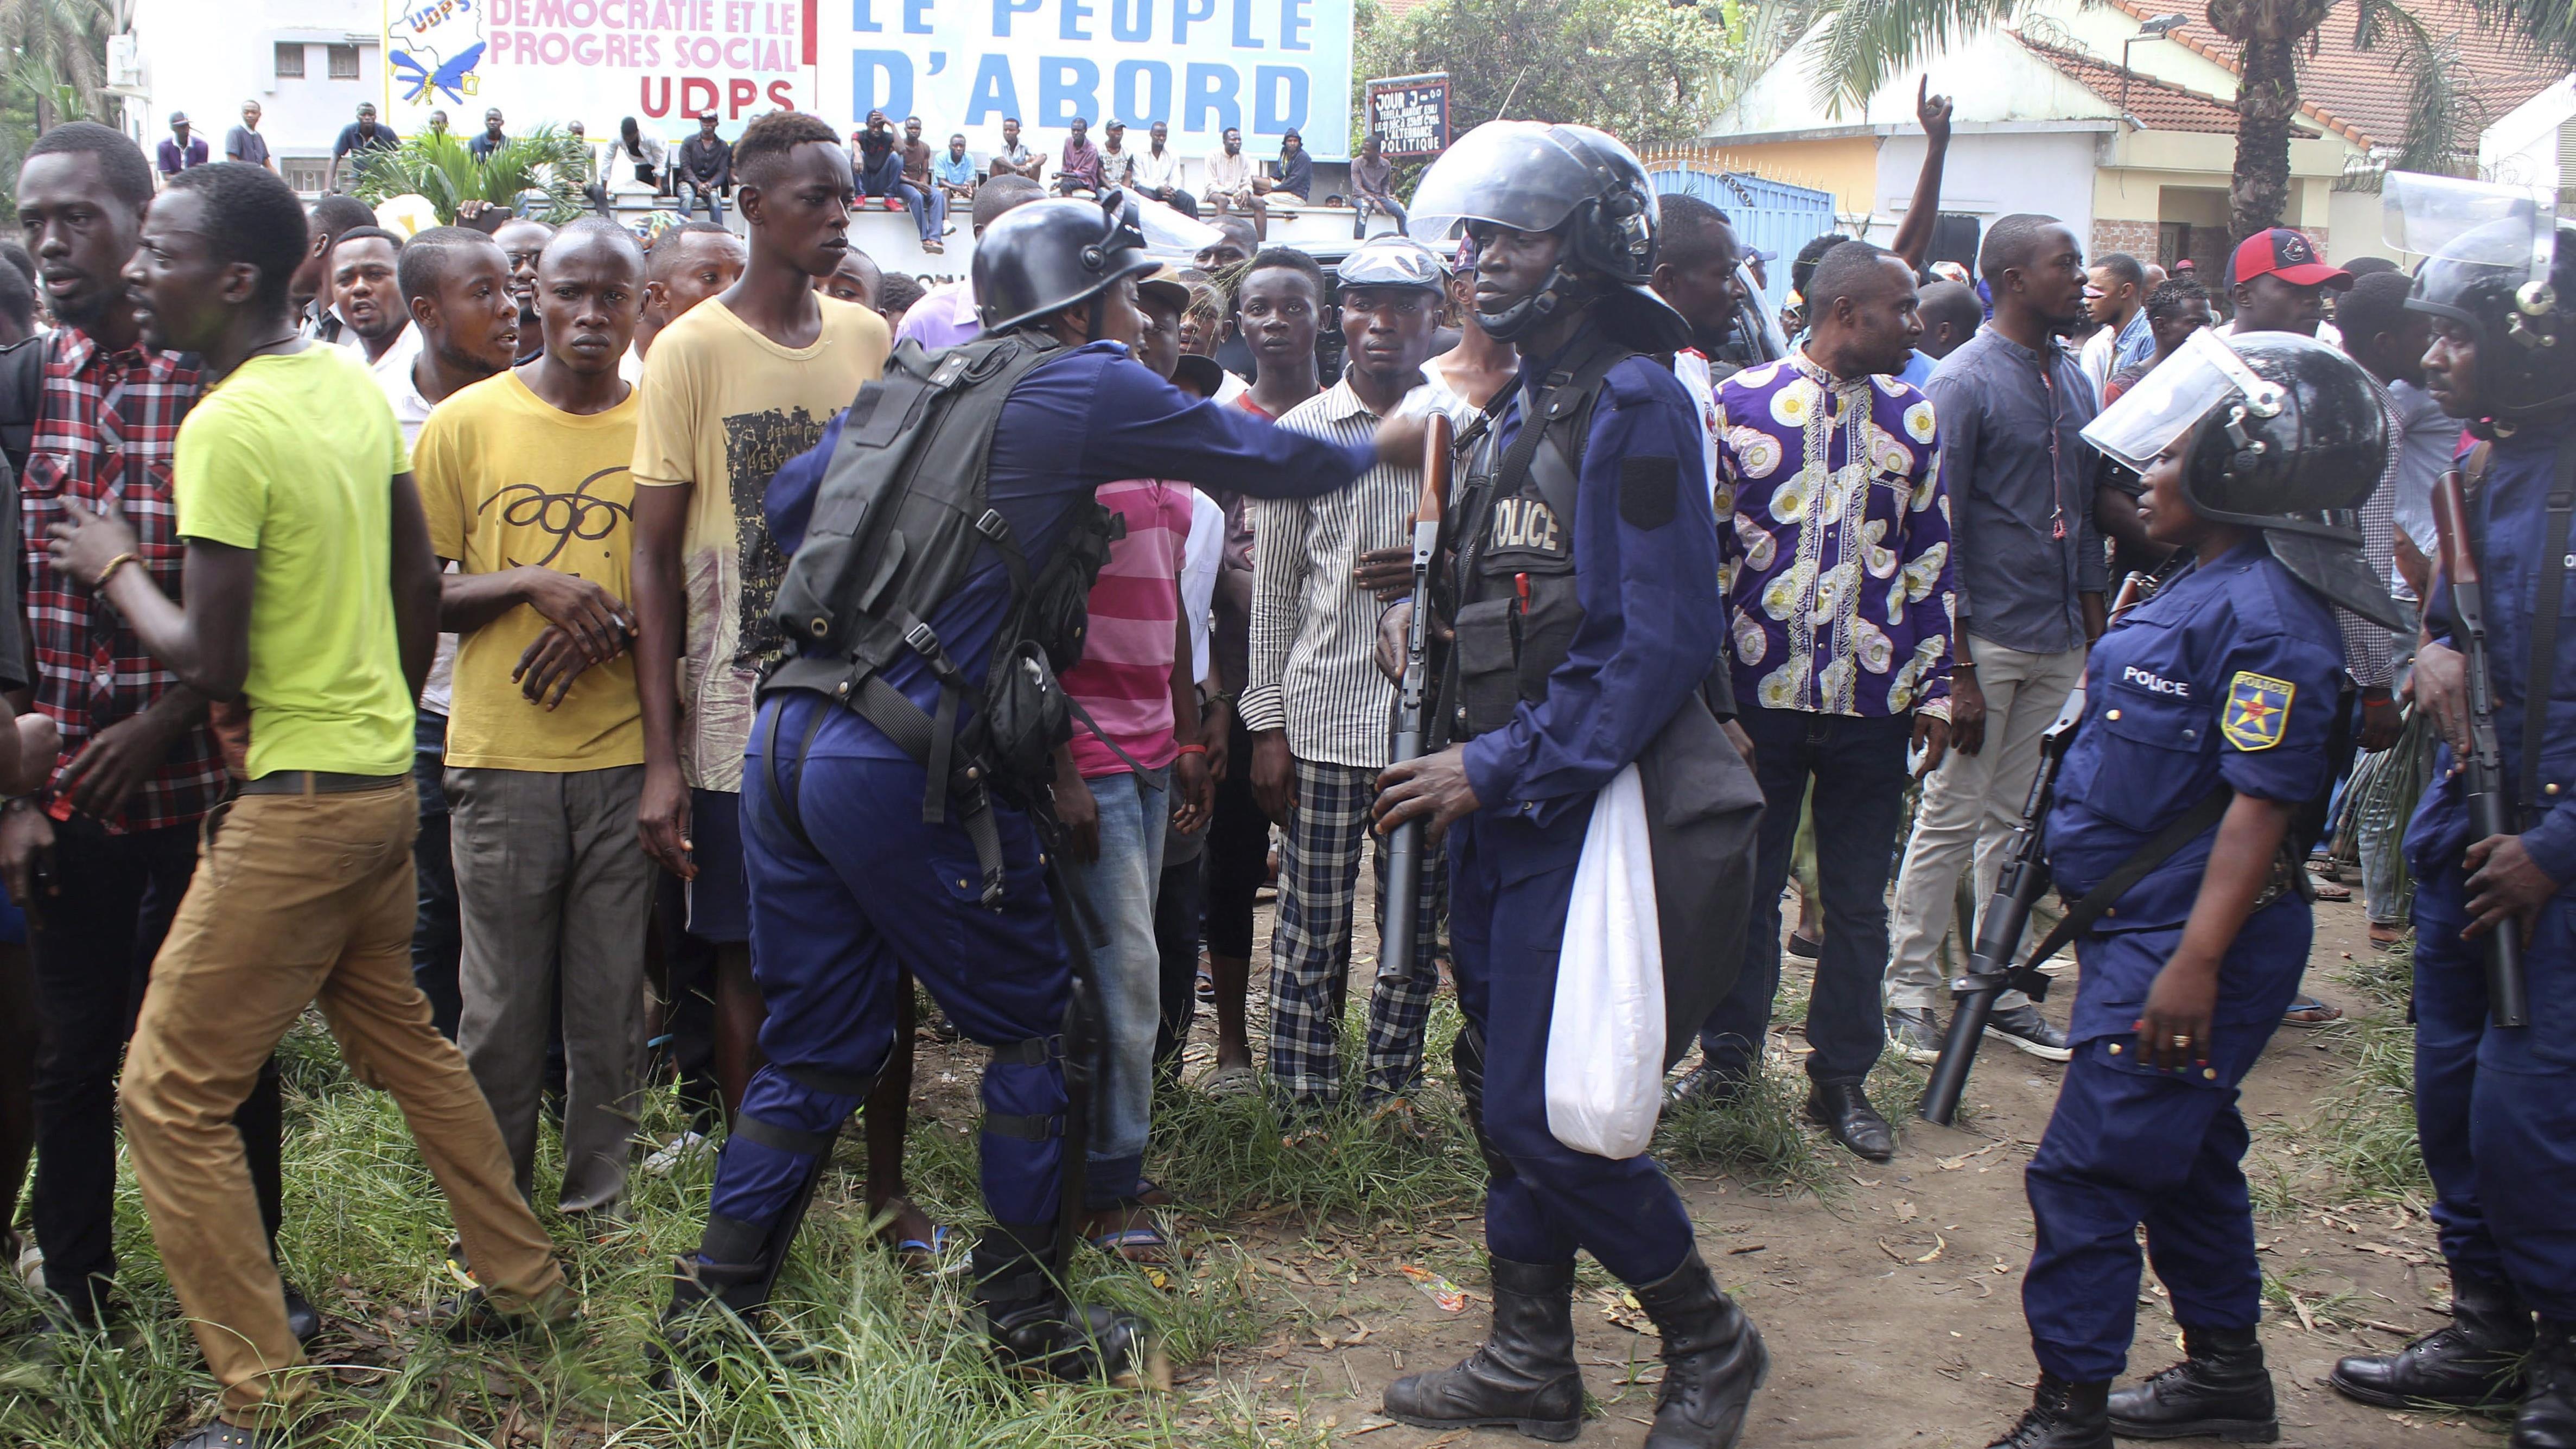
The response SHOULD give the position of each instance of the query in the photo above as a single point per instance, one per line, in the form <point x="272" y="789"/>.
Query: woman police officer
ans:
<point x="2204" y="729"/>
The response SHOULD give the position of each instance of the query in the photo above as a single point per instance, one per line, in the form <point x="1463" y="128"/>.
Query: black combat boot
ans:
<point x="2473" y="1362"/>
<point x="1524" y="1377"/>
<point x="2062" y="1415"/>
<point x="724" y="1278"/>
<point x="2547" y="1419"/>
<point x="1035" y="1327"/>
<point x="2219" y="1391"/>
<point x="1713" y="1360"/>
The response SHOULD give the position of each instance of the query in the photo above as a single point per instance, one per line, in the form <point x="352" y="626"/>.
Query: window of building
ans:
<point x="290" y="60"/>
<point x="344" y="62"/>
<point x="306" y="173"/>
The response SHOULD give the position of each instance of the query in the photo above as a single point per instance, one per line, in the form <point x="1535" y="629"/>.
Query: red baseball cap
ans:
<point x="2285" y="252"/>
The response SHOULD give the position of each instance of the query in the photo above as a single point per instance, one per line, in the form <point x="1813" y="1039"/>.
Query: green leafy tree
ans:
<point x="437" y="166"/>
<point x="1643" y="70"/>
<point x="1866" y="42"/>
<point x="57" y="50"/>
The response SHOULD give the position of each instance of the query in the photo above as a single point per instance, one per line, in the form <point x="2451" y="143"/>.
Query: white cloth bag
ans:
<point x="1605" y="1039"/>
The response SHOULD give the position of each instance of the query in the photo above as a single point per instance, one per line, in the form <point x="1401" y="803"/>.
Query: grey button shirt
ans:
<point x="2022" y="541"/>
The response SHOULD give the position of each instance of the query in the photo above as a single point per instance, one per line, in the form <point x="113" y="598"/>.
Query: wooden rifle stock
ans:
<point x="1402" y="923"/>
<point x="2483" y="787"/>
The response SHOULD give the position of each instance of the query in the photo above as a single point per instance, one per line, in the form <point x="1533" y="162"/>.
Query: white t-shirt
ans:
<point x="393" y="373"/>
<point x="1199" y="560"/>
<point x="1691" y="366"/>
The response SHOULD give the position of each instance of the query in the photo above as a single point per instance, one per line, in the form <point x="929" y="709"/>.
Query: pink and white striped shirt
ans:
<point x="1125" y="678"/>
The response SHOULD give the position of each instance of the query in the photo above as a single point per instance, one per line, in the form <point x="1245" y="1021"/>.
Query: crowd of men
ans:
<point x="905" y="169"/>
<point x="531" y="790"/>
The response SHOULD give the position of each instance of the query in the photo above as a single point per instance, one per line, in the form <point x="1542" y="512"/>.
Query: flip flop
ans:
<point x="925" y="1257"/>
<point x="1148" y="1239"/>
<point x="2330" y="890"/>
<point x="2308" y="1011"/>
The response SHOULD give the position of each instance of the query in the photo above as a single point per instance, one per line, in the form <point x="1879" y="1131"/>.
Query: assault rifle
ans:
<point x="1404" y="848"/>
<point x="2490" y="813"/>
<point x="2018" y="887"/>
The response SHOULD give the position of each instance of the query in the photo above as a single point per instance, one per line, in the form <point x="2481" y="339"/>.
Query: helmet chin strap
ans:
<point x="1560" y="289"/>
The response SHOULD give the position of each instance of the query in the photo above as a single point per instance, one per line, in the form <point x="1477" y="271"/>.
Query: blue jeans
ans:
<point x="930" y="213"/>
<point x="1858" y="766"/>
<point x="691" y="192"/>
<point x="1135" y="813"/>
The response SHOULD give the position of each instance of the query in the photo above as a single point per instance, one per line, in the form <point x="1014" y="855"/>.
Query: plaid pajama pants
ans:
<point x="1310" y="946"/>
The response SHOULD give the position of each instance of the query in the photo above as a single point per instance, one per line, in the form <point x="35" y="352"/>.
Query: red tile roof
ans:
<point x="2158" y="105"/>
<point x="2360" y="94"/>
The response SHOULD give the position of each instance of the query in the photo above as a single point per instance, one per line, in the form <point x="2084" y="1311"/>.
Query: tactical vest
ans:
<point x="899" y="518"/>
<point x="1516" y="611"/>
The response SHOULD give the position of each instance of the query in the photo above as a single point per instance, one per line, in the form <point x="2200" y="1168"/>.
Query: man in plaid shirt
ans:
<point x="101" y="856"/>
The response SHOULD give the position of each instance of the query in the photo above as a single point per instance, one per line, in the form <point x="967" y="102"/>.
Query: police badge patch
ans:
<point x="2258" y="710"/>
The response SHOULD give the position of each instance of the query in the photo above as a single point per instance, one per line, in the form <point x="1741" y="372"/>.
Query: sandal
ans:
<point x="922" y="1256"/>
<point x="1805" y="947"/>
<point x="2308" y="1011"/>
<point x="1229" y="1081"/>
<point x="2387" y="936"/>
<point x="1137" y="1239"/>
<point x="2328" y="890"/>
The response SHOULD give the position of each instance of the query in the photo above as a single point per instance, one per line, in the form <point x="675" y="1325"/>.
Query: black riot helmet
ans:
<point x="1579" y="183"/>
<point x="2500" y="263"/>
<point x="1048" y="255"/>
<point x="2280" y="433"/>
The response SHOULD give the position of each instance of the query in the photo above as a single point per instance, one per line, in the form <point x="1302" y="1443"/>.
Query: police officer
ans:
<point x="2204" y="729"/>
<point x="2496" y="1106"/>
<point x="850" y="879"/>
<point x="1586" y="608"/>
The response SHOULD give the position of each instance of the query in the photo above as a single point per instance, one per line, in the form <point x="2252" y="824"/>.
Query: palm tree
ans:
<point x="437" y="166"/>
<point x="64" y="40"/>
<point x="1865" y="42"/>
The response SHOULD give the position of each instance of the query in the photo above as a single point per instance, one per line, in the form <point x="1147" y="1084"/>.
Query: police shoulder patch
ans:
<point x="2258" y="710"/>
<point x="1649" y="491"/>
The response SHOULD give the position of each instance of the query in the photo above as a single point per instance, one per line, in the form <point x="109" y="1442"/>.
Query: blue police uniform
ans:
<point x="2227" y="677"/>
<point x="1653" y="617"/>
<point x="876" y="887"/>
<point x="2496" y="1106"/>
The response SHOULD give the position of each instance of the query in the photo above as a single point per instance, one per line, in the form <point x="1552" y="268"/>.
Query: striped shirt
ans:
<point x="1314" y="631"/>
<point x="1124" y="681"/>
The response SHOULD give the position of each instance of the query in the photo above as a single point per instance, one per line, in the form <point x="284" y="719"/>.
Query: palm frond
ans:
<point x="1867" y="41"/>
<point x="2443" y="116"/>
<point x="438" y="167"/>
<point x="2546" y="29"/>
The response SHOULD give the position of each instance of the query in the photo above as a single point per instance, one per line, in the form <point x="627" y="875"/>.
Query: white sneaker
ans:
<point x="683" y="1147"/>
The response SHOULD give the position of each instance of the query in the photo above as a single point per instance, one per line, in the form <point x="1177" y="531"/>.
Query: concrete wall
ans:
<point x="1990" y="174"/>
<point x="2523" y="147"/>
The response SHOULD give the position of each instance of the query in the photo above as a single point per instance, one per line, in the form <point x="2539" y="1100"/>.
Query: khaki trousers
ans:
<point x="299" y="899"/>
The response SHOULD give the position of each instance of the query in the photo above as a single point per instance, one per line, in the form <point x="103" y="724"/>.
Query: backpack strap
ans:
<point x="22" y="397"/>
<point x="2544" y="635"/>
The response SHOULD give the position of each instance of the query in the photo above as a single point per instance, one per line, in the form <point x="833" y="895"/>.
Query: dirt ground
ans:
<point x="1891" y="1306"/>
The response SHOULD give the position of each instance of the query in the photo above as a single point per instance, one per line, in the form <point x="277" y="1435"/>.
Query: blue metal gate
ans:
<point x="1772" y="215"/>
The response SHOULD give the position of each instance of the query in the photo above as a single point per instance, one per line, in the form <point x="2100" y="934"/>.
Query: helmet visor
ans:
<point x="2170" y="401"/>
<point x="1508" y="173"/>
<point x="1391" y="261"/>
<point x="2482" y="225"/>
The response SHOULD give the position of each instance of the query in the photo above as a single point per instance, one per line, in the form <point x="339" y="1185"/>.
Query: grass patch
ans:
<point x="880" y="1358"/>
<point x="2361" y="1145"/>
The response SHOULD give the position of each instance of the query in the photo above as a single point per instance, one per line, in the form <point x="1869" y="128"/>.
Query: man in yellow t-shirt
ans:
<point x="740" y="384"/>
<point x="311" y="592"/>
<point x="524" y="479"/>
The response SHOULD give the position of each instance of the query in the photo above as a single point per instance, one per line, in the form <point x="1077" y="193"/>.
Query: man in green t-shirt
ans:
<point x="310" y="593"/>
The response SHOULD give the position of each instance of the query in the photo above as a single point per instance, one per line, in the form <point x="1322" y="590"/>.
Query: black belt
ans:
<point x="319" y="782"/>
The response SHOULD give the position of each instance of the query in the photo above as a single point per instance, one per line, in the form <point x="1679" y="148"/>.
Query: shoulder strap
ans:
<point x="2159" y="848"/>
<point x="2544" y="634"/>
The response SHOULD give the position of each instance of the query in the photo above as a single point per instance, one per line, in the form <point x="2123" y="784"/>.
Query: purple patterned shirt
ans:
<point x="1837" y="560"/>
